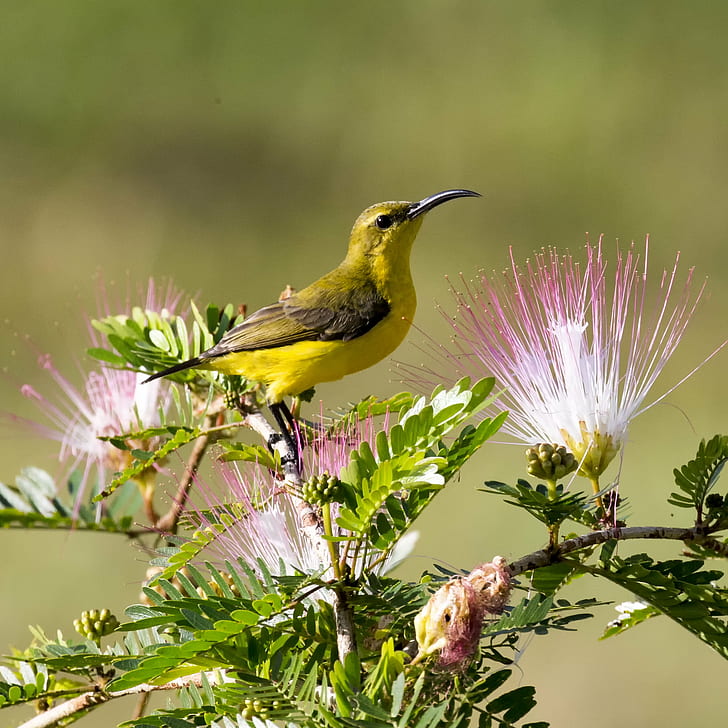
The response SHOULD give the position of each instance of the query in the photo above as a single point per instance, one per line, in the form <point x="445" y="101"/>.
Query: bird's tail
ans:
<point x="176" y="368"/>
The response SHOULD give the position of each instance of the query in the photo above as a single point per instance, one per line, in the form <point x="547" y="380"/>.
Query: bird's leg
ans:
<point x="295" y="433"/>
<point x="292" y="424"/>
<point x="289" y="431"/>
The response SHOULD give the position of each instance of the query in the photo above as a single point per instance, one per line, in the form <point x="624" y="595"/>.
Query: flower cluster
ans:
<point x="576" y="350"/>
<point x="264" y="522"/>
<point x="452" y="620"/>
<point x="110" y="402"/>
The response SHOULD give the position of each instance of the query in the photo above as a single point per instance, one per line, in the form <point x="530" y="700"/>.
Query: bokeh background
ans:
<point x="230" y="146"/>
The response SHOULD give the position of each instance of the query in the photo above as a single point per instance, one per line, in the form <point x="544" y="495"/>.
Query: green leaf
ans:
<point x="386" y="491"/>
<point x="540" y="614"/>
<point x="159" y="340"/>
<point x="530" y="610"/>
<point x="682" y="590"/>
<point x="549" y="579"/>
<point x="627" y="620"/>
<point x="181" y="437"/>
<point x="34" y="502"/>
<point x="537" y="501"/>
<point x="697" y="478"/>
<point x="250" y="453"/>
<point x="150" y="341"/>
<point x="106" y="356"/>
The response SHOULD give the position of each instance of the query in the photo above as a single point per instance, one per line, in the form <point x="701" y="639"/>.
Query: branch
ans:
<point x="168" y="522"/>
<point x="545" y="557"/>
<point x="96" y="697"/>
<point x="310" y="523"/>
<point x="292" y="483"/>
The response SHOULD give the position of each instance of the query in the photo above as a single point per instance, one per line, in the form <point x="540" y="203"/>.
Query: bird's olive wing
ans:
<point x="327" y="315"/>
<point x="267" y="328"/>
<point x="341" y="314"/>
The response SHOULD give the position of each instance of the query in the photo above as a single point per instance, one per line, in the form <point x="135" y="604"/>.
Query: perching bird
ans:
<point x="348" y="320"/>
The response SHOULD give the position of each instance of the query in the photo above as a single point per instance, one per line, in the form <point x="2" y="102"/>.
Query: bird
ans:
<point x="347" y="320"/>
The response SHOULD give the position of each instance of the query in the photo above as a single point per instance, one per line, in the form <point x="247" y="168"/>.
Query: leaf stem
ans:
<point x="594" y="480"/>
<point x="328" y="531"/>
<point x="553" y="529"/>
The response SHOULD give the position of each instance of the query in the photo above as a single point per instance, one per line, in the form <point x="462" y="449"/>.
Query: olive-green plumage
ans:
<point x="348" y="320"/>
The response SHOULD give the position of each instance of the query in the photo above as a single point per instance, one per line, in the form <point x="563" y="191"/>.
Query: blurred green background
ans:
<point x="230" y="145"/>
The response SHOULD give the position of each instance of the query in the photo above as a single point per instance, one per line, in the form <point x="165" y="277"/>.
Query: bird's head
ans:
<point x="389" y="228"/>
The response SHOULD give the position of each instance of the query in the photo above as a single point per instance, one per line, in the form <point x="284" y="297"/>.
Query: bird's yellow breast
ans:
<point x="292" y="369"/>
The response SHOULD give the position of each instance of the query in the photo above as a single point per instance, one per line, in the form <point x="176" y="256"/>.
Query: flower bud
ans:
<point x="94" y="624"/>
<point x="550" y="462"/>
<point x="451" y="622"/>
<point x="320" y="489"/>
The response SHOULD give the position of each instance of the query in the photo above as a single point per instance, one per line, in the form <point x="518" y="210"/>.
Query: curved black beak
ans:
<point x="420" y="208"/>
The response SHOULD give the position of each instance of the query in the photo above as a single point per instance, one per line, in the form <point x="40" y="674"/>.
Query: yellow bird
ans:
<point x="347" y="320"/>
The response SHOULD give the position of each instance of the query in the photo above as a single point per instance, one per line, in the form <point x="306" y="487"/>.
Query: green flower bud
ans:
<point x="94" y="624"/>
<point x="320" y="489"/>
<point x="550" y="462"/>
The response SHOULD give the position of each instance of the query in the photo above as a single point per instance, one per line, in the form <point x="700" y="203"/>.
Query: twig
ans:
<point x="310" y="523"/>
<point x="92" y="698"/>
<point x="545" y="557"/>
<point x="141" y="707"/>
<point x="168" y="522"/>
<point x="309" y="520"/>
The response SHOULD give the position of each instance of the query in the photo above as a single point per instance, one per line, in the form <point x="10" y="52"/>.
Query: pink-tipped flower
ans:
<point x="110" y="402"/>
<point x="576" y="348"/>
<point x="162" y="298"/>
<point x="329" y="452"/>
<point x="262" y="522"/>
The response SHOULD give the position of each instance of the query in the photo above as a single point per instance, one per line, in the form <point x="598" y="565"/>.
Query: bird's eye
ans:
<point x="383" y="222"/>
